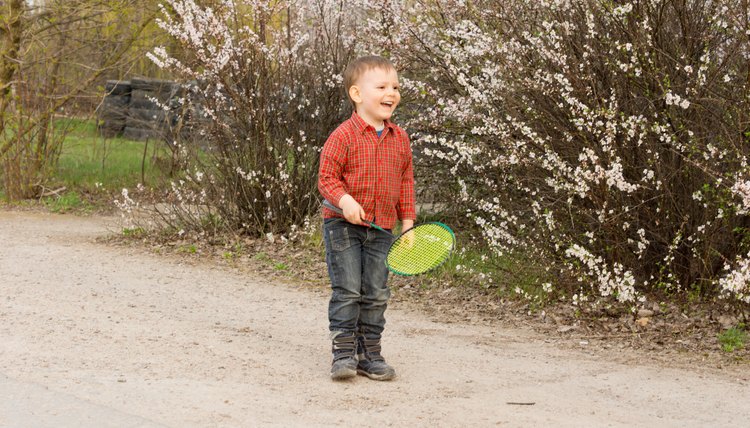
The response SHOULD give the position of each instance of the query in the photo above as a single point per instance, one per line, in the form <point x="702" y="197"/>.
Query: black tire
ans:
<point x="144" y="99"/>
<point x="118" y="124"/>
<point x="152" y="117"/>
<point x="143" y="103"/>
<point x="114" y="106"/>
<point x="151" y="85"/>
<point x="116" y="101"/>
<point x="113" y="116"/>
<point x="117" y="87"/>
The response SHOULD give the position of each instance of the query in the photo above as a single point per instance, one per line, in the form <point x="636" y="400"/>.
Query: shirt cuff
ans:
<point x="336" y="196"/>
<point x="407" y="214"/>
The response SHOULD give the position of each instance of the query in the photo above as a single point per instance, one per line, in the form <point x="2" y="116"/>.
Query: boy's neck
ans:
<point x="374" y="123"/>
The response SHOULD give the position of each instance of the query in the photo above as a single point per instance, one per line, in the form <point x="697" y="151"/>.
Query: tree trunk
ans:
<point x="11" y="20"/>
<point x="11" y="26"/>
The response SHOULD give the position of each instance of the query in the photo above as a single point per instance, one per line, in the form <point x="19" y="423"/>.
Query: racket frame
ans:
<point x="445" y="259"/>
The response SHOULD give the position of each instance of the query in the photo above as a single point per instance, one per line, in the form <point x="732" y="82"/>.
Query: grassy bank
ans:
<point x="91" y="169"/>
<point x="89" y="161"/>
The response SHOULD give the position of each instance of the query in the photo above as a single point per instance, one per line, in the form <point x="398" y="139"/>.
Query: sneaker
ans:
<point x="344" y="365"/>
<point x="371" y="363"/>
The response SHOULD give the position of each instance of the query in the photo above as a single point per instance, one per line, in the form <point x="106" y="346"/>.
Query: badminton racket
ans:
<point x="417" y="250"/>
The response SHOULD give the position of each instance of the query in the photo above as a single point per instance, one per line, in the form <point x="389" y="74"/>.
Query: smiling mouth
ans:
<point x="388" y="104"/>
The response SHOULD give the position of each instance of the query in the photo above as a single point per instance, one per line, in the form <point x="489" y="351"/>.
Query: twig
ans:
<point x="143" y="163"/>
<point x="52" y="192"/>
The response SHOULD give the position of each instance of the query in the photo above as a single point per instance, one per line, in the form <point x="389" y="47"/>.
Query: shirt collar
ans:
<point x="360" y="124"/>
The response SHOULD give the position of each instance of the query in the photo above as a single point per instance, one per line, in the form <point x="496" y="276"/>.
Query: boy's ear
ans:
<point x="355" y="94"/>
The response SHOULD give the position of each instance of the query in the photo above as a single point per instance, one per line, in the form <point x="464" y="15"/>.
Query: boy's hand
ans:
<point x="353" y="212"/>
<point x="408" y="237"/>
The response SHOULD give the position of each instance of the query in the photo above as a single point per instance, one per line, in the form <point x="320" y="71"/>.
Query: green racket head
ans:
<point x="421" y="249"/>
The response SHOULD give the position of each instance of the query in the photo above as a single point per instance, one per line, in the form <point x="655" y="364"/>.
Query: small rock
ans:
<point x="645" y="313"/>
<point x="643" y="322"/>
<point x="727" y="321"/>
<point x="566" y="328"/>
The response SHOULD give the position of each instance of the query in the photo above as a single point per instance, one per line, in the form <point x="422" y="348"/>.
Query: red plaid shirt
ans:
<point x="377" y="173"/>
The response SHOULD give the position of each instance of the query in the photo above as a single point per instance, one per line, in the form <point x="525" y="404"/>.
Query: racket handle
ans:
<point x="332" y="207"/>
<point x="336" y="209"/>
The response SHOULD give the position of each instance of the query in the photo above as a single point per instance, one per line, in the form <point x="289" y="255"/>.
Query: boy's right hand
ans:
<point x="353" y="212"/>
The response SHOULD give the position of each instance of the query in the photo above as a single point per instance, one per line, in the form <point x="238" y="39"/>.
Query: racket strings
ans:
<point x="422" y="249"/>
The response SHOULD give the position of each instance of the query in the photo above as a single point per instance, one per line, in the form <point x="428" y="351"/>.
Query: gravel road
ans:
<point x="93" y="335"/>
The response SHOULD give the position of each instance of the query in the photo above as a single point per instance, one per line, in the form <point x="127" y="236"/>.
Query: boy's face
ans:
<point x="376" y="94"/>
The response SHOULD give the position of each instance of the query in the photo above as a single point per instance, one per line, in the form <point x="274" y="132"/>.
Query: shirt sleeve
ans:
<point x="406" y="208"/>
<point x="332" y="161"/>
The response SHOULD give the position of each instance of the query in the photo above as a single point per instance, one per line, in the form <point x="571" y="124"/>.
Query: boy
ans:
<point x="366" y="170"/>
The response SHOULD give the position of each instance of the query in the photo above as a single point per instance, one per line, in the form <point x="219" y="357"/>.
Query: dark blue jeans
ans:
<point x="356" y="265"/>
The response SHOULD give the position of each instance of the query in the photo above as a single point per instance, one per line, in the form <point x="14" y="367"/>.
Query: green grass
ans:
<point x="89" y="162"/>
<point x="66" y="202"/>
<point x="733" y="339"/>
<point x="188" y="249"/>
<point x="261" y="257"/>
<point x="133" y="232"/>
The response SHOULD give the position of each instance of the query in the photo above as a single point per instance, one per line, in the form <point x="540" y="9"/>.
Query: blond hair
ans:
<point x="358" y="67"/>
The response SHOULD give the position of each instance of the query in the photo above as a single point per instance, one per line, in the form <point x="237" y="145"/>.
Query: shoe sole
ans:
<point x="373" y="376"/>
<point x="344" y="374"/>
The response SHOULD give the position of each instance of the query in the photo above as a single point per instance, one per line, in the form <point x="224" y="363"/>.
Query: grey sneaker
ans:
<point x="371" y="363"/>
<point x="344" y="364"/>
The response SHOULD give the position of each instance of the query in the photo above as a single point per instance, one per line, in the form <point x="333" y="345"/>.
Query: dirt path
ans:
<point x="97" y="336"/>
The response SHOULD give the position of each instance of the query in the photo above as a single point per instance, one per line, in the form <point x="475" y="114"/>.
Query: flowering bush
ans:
<point x="265" y="94"/>
<point x="608" y="138"/>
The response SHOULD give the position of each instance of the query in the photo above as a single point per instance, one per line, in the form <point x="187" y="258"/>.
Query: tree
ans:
<point x="52" y="53"/>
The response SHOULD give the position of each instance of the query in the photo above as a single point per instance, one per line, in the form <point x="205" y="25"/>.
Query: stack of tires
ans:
<point x="113" y="112"/>
<point x="147" y="118"/>
<point x="146" y="109"/>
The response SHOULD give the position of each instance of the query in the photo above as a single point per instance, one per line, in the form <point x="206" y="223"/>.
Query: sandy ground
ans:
<point x="92" y="335"/>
